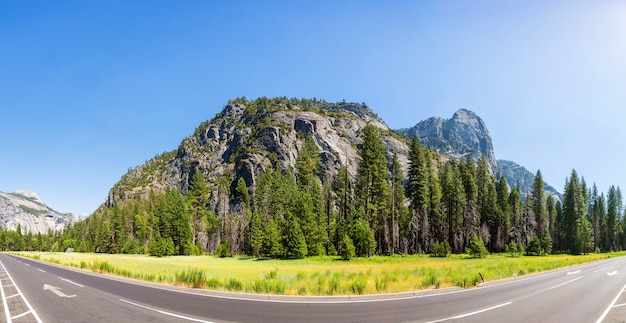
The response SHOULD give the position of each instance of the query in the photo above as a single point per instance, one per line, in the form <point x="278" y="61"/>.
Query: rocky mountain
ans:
<point x="31" y="213"/>
<point x="515" y="173"/>
<point x="249" y="136"/>
<point x="467" y="134"/>
<point x="464" y="134"/>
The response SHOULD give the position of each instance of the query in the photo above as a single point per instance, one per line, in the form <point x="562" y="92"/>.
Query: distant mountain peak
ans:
<point x="25" y="208"/>
<point x="29" y="194"/>
<point x="462" y="135"/>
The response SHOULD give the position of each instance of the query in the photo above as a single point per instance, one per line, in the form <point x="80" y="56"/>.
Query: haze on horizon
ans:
<point x="91" y="89"/>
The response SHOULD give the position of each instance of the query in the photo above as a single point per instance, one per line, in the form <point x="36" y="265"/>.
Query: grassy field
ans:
<point x="316" y="275"/>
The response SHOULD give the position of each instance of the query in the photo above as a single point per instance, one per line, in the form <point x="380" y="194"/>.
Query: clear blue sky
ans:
<point x="89" y="89"/>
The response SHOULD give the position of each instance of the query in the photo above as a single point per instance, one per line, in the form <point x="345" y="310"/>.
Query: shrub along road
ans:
<point x="585" y="293"/>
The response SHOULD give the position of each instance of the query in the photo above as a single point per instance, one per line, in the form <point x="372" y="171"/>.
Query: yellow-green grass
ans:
<point x="316" y="275"/>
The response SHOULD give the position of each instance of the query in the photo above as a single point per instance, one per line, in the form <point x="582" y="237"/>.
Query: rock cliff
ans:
<point x="246" y="137"/>
<point x="33" y="215"/>
<point x="464" y="134"/>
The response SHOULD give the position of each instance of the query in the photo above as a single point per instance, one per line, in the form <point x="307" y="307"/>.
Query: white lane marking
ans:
<point x="595" y="271"/>
<point x="166" y="313"/>
<point x="619" y="305"/>
<point x="567" y="282"/>
<point x="27" y="265"/>
<point x="21" y="294"/>
<point x="43" y="271"/>
<point x="69" y="281"/>
<point x="12" y="296"/>
<point x="20" y="315"/>
<point x="613" y="273"/>
<point x="574" y="272"/>
<point x="472" y="313"/>
<point x="608" y="309"/>
<point x="4" y="302"/>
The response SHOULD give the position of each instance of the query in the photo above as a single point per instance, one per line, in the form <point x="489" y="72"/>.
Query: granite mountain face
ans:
<point x="247" y="137"/>
<point x="26" y="209"/>
<point x="462" y="135"/>
<point x="467" y="134"/>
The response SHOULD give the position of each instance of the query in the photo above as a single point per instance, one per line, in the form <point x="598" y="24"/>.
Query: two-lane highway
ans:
<point x="586" y="293"/>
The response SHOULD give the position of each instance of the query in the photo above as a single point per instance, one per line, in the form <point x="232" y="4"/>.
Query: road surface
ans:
<point x="33" y="291"/>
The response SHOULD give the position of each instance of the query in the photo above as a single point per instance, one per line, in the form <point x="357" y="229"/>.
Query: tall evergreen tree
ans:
<point x="372" y="189"/>
<point x="453" y="200"/>
<point x="198" y="200"/>
<point x="419" y="196"/>
<point x="398" y="209"/>
<point x="516" y="208"/>
<point x="175" y="221"/>
<point x="487" y="202"/>
<point x="436" y="223"/>
<point x="613" y="208"/>
<point x="343" y="189"/>
<point x="504" y="213"/>
<point x="537" y="196"/>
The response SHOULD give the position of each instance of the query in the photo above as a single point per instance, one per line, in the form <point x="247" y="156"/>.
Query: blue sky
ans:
<point x="89" y="89"/>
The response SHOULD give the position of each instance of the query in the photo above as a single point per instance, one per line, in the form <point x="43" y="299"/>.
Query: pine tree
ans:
<point x="419" y="195"/>
<point x="307" y="163"/>
<point x="198" y="200"/>
<point x="613" y="208"/>
<point x="435" y="228"/>
<point x="487" y="202"/>
<point x="453" y="200"/>
<point x="175" y="221"/>
<point x="398" y="209"/>
<point x="537" y="196"/>
<point x="574" y="209"/>
<point x="598" y="218"/>
<point x="372" y="189"/>
<point x="343" y="189"/>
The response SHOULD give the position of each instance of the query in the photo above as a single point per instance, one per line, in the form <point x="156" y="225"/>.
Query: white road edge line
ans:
<point x="608" y="309"/>
<point x="4" y="301"/>
<point x="19" y="292"/>
<point x="472" y="313"/>
<point x="165" y="313"/>
<point x="567" y="282"/>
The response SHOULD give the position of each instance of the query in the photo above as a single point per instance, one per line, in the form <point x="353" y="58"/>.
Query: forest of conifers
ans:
<point x="439" y="208"/>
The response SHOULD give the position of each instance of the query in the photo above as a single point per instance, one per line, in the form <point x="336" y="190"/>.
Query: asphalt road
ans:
<point x="34" y="291"/>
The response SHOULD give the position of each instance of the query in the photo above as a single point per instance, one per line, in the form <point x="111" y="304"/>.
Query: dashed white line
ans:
<point x="599" y="269"/>
<point x="43" y="271"/>
<point x="472" y="313"/>
<point x="166" y="313"/>
<point x="69" y="281"/>
<point x="608" y="309"/>
<point x="567" y="282"/>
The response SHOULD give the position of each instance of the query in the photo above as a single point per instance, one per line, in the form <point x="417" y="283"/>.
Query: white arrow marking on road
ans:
<point x="573" y="272"/>
<point x="56" y="290"/>
<point x="613" y="273"/>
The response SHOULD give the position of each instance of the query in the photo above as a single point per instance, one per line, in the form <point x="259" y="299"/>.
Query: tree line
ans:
<point x="438" y="208"/>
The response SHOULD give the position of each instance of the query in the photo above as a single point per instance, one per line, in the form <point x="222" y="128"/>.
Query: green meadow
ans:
<point x="316" y="275"/>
